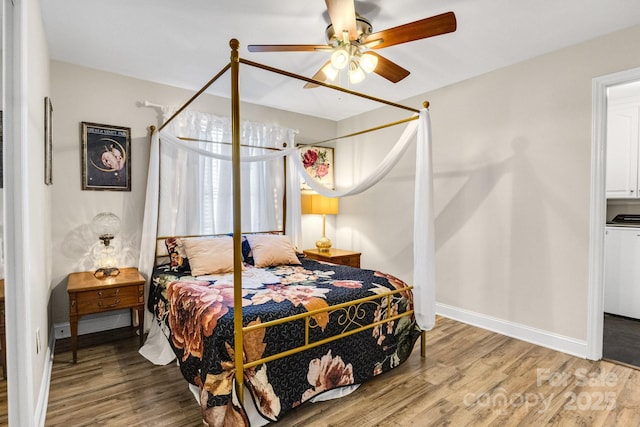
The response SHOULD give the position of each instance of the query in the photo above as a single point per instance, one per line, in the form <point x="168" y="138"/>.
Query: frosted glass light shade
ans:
<point x="106" y="225"/>
<point x="330" y="71"/>
<point x="356" y="75"/>
<point x="368" y="62"/>
<point x="340" y="59"/>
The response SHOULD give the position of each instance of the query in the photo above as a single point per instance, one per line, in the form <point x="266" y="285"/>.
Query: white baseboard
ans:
<point x="41" y="405"/>
<point x="536" y="336"/>
<point x="95" y="323"/>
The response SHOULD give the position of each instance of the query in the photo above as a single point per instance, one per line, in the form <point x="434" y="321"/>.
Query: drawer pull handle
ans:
<point x="113" y="294"/>
<point x="112" y="305"/>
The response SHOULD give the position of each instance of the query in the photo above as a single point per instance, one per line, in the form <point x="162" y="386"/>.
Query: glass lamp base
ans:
<point x="103" y="273"/>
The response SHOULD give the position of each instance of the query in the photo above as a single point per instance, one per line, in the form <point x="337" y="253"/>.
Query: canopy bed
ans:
<point x="245" y="310"/>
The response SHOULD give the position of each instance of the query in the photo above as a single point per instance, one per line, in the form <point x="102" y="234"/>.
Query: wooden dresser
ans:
<point x="88" y="295"/>
<point x="335" y="256"/>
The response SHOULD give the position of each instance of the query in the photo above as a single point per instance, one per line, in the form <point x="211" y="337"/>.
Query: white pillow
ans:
<point x="272" y="249"/>
<point x="209" y="255"/>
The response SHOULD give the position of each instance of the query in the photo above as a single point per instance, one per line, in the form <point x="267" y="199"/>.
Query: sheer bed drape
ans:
<point x="423" y="222"/>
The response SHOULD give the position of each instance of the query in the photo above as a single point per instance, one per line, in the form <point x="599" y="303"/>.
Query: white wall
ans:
<point x="512" y="156"/>
<point x="82" y="94"/>
<point x="27" y="219"/>
<point x="39" y="196"/>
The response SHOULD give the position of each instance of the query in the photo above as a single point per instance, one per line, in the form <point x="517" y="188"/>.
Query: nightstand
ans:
<point x="335" y="256"/>
<point x="88" y="295"/>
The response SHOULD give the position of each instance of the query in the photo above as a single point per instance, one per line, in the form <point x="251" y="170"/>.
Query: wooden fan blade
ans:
<point x="343" y="17"/>
<point x="288" y="47"/>
<point x="319" y="75"/>
<point x="428" y="27"/>
<point x="388" y="69"/>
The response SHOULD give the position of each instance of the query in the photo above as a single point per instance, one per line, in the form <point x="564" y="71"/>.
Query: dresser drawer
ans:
<point x="108" y="299"/>
<point x="352" y="261"/>
<point x="335" y="256"/>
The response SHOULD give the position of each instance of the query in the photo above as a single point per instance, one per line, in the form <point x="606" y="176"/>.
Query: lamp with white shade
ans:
<point x="106" y="226"/>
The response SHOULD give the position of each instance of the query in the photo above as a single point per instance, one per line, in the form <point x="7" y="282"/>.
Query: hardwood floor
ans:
<point x="475" y="377"/>
<point x="113" y="385"/>
<point x="470" y="377"/>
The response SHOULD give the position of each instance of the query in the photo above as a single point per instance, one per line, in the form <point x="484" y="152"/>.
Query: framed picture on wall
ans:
<point x="318" y="162"/>
<point x="48" y="141"/>
<point x="106" y="157"/>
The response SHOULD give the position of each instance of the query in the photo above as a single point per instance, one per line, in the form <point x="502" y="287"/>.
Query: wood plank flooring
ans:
<point x="470" y="377"/>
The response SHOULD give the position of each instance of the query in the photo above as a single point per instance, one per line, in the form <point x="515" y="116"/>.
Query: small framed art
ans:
<point x="106" y="157"/>
<point x="318" y="162"/>
<point x="48" y="141"/>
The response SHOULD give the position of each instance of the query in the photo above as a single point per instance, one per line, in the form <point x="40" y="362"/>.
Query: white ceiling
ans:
<point x="185" y="43"/>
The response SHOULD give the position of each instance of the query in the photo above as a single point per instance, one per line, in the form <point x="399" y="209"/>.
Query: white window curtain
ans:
<point x="196" y="189"/>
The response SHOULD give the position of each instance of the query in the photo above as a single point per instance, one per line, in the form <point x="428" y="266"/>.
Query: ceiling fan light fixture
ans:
<point x="349" y="41"/>
<point x="368" y="62"/>
<point x="340" y="58"/>
<point x="330" y="72"/>
<point x="356" y="75"/>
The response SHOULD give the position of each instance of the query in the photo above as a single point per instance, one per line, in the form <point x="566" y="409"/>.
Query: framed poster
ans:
<point x="318" y="162"/>
<point x="106" y="157"/>
<point x="48" y="141"/>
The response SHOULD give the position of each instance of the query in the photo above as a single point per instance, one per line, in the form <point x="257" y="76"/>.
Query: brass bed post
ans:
<point x="423" y="335"/>
<point x="284" y="198"/>
<point x="237" y="219"/>
<point x="152" y="130"/>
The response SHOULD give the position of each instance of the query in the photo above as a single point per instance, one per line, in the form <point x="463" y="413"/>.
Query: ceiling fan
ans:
<point x="351" y="42"/>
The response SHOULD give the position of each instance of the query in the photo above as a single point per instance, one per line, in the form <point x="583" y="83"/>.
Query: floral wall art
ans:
<point x="318" y="162"/>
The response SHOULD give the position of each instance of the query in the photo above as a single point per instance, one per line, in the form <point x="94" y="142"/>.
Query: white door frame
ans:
<point x="598" y="206"/>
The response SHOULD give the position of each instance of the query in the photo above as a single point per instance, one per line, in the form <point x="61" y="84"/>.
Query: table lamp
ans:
<point x="317" y="204"/>
<point x="106" y="225"/>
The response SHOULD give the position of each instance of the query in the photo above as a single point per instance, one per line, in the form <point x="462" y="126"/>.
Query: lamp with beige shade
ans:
<point x="316" y="204"/>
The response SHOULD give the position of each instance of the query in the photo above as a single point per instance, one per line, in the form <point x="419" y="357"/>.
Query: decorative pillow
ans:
<point x="177" y="255"/>
<point x="246" y="249"/>
<point x="209" y="255"/>
<point x="271" y="249"/>
<point x="247" y="256"/>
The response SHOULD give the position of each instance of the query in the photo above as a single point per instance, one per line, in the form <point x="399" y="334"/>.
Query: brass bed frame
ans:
<point x="349" y="309"/>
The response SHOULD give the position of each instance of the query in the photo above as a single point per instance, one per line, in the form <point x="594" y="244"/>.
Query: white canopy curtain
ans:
<point x="423" y="222"/>
<point x="424" y="249"/>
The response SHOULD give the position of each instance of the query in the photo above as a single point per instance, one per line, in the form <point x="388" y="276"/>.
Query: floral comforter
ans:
<point x="196" y="315"/>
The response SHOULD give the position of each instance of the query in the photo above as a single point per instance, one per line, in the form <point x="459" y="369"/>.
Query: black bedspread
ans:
<point x="197" y="318"/>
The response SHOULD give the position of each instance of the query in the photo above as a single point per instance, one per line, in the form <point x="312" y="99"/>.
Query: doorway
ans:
<point x="598" y="207"/>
